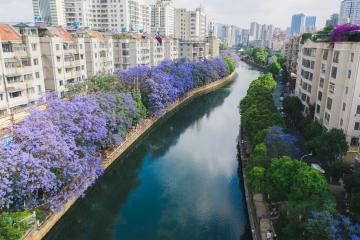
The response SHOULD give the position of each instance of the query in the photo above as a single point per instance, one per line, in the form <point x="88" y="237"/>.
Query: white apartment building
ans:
<point x="131" y="50"/>
<point x="98" y="52"/>
<point x="163" y="18"/>
<point x="194" y="50"/>
<point x="350" y="12"/>
<point x="63" y="56"/>
<point x="51" y="12"/>
<point x="109" y="15"/>
<point x="329" y="79"/>
<point x="171" y="46"/>
<point x="190" y="25"/>
<point x="157" y="51"/>
<point x="21" y="75"/>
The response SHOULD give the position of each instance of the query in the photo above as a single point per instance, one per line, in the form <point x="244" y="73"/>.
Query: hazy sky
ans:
<point x="237" y="12"/>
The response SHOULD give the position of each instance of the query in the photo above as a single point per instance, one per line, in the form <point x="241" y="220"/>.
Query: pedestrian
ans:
<point x="268" y="235"/>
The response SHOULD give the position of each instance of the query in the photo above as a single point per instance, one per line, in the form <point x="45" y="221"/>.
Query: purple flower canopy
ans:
<point x="339" y="32"/>
<point x="55" y="155"/>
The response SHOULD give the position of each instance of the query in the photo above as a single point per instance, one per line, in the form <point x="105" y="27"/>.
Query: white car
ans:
<point x="281" y="99"/>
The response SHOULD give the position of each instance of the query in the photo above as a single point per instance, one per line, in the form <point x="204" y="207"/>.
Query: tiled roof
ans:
<point x="97" y="35"/>
<point x="61" y="33"/>
<point x="8" y="33"/>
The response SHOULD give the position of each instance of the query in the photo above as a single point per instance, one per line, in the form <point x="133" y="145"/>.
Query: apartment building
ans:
<point x="63" y="56"/>
<point x="163" y="18"/>
<point x="292" y="52"/>
<point x="131" y="50"/>
<point x="194" y="50"/>
<point x="329" y="80"/>
<point x="98" y="52"/>
<point x="21" y="75"/>
<point x="157" y="51"/>
<point x="51" y="12"/>
<point x="190" y="24"/>
<point x="171" y="47"/>
<point x="350" y="12"/>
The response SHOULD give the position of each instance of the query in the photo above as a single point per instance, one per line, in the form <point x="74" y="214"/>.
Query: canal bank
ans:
<point x="133" y="137"/>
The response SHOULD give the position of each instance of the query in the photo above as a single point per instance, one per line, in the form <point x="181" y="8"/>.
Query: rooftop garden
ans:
<point x="341" y="33"/>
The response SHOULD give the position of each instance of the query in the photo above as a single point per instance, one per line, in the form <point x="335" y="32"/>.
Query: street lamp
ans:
<point x="306" y="155"/>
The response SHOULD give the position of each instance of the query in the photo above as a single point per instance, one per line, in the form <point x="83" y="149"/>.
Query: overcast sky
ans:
<point x="237" y="12"/>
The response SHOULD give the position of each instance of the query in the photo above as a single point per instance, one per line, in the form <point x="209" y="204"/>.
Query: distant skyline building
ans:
<point x="190" y="24"/>
<point x="350" y="12"/>
<point x="51" y="12"/>
<point x="310" y="23"/>
<point x="297" y="24"/>
<point x="333" y="20"/>
<point x="163" y="18"/>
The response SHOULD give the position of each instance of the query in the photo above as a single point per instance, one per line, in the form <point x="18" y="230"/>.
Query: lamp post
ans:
<point x="306" y="155"/>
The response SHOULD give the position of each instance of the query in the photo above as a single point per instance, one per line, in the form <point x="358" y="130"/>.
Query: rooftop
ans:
<point x="8" y="33"/>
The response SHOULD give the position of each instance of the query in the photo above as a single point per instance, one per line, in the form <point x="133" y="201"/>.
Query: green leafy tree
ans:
<point x="223" y="47"/>
<point x="230" y="65"/>
<point x="275" y="67"/>
<point x="355" y="203"/>
<point x="259" y="156"/>
<point x="331" y="146"/>
<point x="256" y="179"/>
<point x="312" y="130"/>
<point x="293" y="109"/>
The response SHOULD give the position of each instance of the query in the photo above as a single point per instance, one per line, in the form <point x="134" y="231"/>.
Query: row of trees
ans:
<point x="258" y="111"/>
<point x="307" y="206"/>
<point x="56" y="152"/>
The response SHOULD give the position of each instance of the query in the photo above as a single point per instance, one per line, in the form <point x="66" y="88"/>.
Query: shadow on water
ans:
<point x="93" y="217"/>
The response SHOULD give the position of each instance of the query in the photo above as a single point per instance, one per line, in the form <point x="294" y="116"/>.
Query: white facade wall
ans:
<point x="190" y="25"/>
<point x="163" y="18"/>
<point x="350" y="12"/>
<point x="335" y="86"/>
<point x="52" y="12"/>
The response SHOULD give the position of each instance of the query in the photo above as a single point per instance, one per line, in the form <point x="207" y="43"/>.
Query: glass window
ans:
<point x="322" y="82"/>
<point x="329" y="103"/>
<point x="344" y="106"/>
<point x="334" y="72"/>
<point x="332" y="87"/>
<point x="336" y="56"/>
<point x="320" y="96"/>
<point x="325" y="54"/>
<point x="36" y="61"/>
<point x="349" y="74"/>
<point x="318" y="108"/>
<point x="357" y="126"/>
<point x="352" y="57"/>
<point x="358" y="109"/>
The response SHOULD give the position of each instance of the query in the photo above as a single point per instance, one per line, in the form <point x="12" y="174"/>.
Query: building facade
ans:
<point x="297" y="24"/>
<point x="64" y="60"/>
<point x="163" y="18"/>
<point x="21" y="74"/>
<point x="310" y="23"/>
<point x="190" y="24"/>
<point x="51" y="12"/>
<point x="292" y="48"/>
<point x="194" y="50"/>
<point x="328" y="79"/>
<point x="113" y="16"/>
<point x="350" y="12"/>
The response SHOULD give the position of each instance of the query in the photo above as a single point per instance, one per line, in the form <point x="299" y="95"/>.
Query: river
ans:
<point x="181" y="181"/>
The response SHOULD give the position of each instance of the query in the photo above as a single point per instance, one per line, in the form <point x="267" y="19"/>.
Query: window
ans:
<point x="28" y="77"/>
<point x="318" y="108"/>
<point x="57" y="47"/>
<point x="329" y="103"/>
<point x="344" y="107"/>
<point x="58" y="58"/>
<point x="357" y="126"/>
<point x="352" y="57"/>
<point x="15" y="94"/>
<point x="332" y="87"/>
<point x="354" y="142"/>
<point x="323" y="68"/>
<point x="327" y="117"/>
<point x="39" y="88"/>
<point x="34" y="46"/>
<point x="37" y="75"/>
<point x="322" y="82"/>
<point x="358" y="109"/>
<point x="36" y="61"/>
<point x="349" y="74"/>
<point x="336" y="56"/>
<point x="334" y="72"/>
<point x="61" y="82"/>
<point x="325" y="54"/>
<point x="1" y="97"/>
<point x="320" y="96"/>
<point x="346" y="90"/>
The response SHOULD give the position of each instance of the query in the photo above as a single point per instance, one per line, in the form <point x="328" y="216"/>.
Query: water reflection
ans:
<point x="180" y="182"/>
